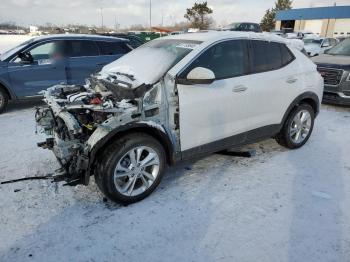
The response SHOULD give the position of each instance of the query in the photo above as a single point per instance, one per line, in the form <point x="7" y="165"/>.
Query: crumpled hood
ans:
<point x="141" y="66"/>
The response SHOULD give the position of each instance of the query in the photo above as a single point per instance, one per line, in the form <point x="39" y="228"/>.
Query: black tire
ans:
<point x="4" y="99"/>
<point x="110" y="157"/>
<point x="284" y="137"/>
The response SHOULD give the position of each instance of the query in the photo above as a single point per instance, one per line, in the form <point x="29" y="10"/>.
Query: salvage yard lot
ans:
<point x="279" y="205"/>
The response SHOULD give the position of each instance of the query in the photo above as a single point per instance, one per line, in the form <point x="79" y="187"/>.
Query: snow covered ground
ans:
<point x="9" y="41"/>
<point x="279" y="205"/>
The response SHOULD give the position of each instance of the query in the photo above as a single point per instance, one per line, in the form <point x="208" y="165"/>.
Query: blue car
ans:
<point x="42" y="62"/>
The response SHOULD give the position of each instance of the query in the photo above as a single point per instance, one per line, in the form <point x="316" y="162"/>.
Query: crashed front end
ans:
<point x="75" y="118"/>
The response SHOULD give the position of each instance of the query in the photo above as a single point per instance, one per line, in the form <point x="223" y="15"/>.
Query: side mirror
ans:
<point x="326" y="45"/>
<point x="199" y="75"/>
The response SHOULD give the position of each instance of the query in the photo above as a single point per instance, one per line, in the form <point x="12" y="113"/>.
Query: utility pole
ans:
<point x="150" y="15"/>
<point x="102" y="18"/>
<point x="162" y="17"/>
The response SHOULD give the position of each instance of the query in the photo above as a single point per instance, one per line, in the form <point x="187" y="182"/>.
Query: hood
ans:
<point x="336" y="61"/>
<point x="144" y="66"/>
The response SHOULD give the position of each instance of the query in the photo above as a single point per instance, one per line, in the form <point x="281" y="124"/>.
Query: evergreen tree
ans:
<point x="198" y="15"/>
<point x="269" y="19"/>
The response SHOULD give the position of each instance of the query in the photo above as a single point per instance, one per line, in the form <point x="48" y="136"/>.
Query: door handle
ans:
<point x="291" y="80"/>
<point x="239" y="88"/>
<point x="102" y="64"/>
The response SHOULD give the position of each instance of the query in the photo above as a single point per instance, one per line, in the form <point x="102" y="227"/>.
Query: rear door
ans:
<point x="83" y="60"/>
<point x="273" y="83"/>
<point x="46" y="69"/>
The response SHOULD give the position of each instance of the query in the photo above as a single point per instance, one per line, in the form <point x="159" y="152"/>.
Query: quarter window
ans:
<point x="227" y="59"/>
<point x="287" y="55"/>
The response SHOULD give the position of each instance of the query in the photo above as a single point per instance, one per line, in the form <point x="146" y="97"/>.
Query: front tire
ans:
<point x="4" y="98"/>
<point x="131" y="168"/>
<point x="297" y="128"/>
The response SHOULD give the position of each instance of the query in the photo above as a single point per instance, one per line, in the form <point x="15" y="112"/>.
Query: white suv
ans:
<point x="178" y="98"/>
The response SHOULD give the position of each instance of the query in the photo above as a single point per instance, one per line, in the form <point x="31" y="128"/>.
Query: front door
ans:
<point x="43" y="67"/>
<point x="211" y="112"/>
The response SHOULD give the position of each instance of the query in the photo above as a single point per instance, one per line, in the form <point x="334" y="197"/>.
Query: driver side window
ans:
<point x="45" y="51"/>
<point x="226" y="59"/>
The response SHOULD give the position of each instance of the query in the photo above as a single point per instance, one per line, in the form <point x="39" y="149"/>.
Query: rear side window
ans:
<point x="226" y="59"/>
<point x="266" y="56"/>
<point x="78" y="48"/>
<point x="287" y="55"/>
<point x="113" y="48"/>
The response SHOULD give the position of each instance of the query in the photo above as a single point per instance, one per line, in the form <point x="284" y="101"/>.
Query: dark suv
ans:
<point x="334" y="66"/>
<point x="247" y="27"/>
<point x="39" y="63"/>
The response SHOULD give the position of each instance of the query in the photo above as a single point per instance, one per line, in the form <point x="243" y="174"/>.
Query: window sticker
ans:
<point x="187" y="45"/>
<point x="44" y="61"/>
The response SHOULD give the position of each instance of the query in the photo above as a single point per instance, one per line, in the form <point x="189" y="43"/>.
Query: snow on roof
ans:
<point x="213" y="36"/>
<point x="221" y="35"/>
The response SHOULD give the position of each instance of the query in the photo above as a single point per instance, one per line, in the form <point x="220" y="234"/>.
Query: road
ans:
<point x="279" y="205"/>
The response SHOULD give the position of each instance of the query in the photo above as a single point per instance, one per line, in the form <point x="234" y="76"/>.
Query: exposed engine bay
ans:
<point x="77" y="117"/>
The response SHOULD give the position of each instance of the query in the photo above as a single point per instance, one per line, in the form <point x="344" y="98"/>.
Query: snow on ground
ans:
<point x="9" y="41"/>
<point x="279" y="205"/>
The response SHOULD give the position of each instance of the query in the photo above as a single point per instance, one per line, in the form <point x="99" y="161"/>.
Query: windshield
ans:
<point x="343" y="48"/>
<point x="15" y="49"/>
<point x="312" y="41"/>
<point x="148" y="63"/>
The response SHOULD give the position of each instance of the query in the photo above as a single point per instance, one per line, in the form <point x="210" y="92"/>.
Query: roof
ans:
<point x="213" y="36"/>
<point x="78" y="37"/>
<point x="337" y="12"/>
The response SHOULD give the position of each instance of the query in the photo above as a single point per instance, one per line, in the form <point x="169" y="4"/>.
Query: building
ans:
<point x="329" y="21"/>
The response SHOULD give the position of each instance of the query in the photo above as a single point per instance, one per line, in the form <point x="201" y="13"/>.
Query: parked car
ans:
<point x="134" y="40"/>
<point x="305" y="34"/>
<point x="247" y="27"/>
<point x="39" y="63"/>
<point x="317" y="46"/>
<point x="341" y="38"/>
<point x="204" y="93"/>
<point x="334" y="66"/>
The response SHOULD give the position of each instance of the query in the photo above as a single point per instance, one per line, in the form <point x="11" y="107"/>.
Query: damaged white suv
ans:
<point x="178" y="98"/>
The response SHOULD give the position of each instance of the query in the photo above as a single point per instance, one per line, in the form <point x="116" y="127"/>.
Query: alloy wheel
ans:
<point x="300" y="126"/>
<point x="136" y="171"/>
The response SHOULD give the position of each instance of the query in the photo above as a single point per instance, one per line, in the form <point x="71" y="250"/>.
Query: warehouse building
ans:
<point x="332" y="21"/>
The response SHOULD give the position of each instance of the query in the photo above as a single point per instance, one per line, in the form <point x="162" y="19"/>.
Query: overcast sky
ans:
<point x="126" y="13"/>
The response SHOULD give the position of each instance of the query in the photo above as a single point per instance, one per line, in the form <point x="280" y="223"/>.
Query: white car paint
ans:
<point x="210" y="112"/>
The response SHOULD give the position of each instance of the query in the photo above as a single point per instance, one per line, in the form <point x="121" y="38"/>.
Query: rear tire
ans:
<point x="4" y="99"/>
<point x="297" y="128"/>
<point x="130" y="168"/>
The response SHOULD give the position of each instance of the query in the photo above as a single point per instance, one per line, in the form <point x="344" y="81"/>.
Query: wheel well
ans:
<point x="310" y="102"/>
<point x="5" y="89"/>
<point x="155" y="133"/>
